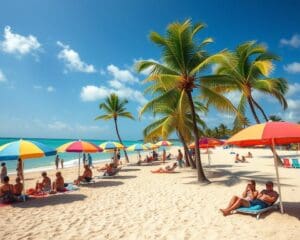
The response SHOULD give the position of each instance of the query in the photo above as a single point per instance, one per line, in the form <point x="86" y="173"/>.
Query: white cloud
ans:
<point x="292" y="67"/>
<point x="37" y="87"/>
<point x="92" y="93"/>
<point x="14" y="43"/>
<point x="115" y="84"/>
<point x="234" y="97"/>
<point x="293" y="89"/>
<point x="72" y="60"/>
<point x="2" y="76"/>
<point x="121" y="75"/>
<point x="50" y="89"/>
<point x="293" y="112"/>
<point x="293" y="42"/>
<point x="58" y="126"/>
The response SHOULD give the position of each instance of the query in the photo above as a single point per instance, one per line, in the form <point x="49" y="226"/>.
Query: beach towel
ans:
<point x="256" y="210"/>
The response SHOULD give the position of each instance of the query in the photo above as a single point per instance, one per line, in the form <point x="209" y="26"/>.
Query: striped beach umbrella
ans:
<point x="79" y="147"/>
<point x="151" y="146"/>
<point x="164" y="144"/>
<point x="24" y="149"/>
<point x="270" y="134"/>
<point x="137" y="147"/>
<point x="111" y="145"/>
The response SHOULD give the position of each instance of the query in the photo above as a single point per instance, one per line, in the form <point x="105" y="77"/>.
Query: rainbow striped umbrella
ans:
<point x="151" y="146"/>
<point x="111" y="145"/>
<point x="270" y="133"/>
<point x="25" y="149"/>
<point x="137" y="147"/>
<point x="79" y="147"/>
<point x="164" y="144"/>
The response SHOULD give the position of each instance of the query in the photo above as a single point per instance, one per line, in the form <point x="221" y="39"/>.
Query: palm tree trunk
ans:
<point x="252" y="109"/>
<point x="261" y="110"/>
<point x="200" y="173"/>
<point x="188" y="157"/>
<point x="120" y="140"/>
<point x="279" y="162"/>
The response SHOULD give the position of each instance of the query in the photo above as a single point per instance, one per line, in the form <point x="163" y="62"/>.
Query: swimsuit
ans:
<point x="259" y="202"/>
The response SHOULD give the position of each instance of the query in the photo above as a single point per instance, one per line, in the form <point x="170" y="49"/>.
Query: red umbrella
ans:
<point x="270" y="134"/>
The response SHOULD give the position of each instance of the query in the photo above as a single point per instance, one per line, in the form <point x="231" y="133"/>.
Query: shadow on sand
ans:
<point x="50" y="200"/>
<point x="130" y="170"/>
<point x="100" y="183"/>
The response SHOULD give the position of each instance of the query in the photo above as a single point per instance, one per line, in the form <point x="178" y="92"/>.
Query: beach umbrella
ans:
<point x="111" y="145"/>
<point x="164" y="144"/>
<point x="268" y="134"/>
<point x="137" y="147"/>
<point x="207" y="143"/>
<point x="24" y="149"/>
<point x="79" y="147"/>
<point x="151" y="146"/>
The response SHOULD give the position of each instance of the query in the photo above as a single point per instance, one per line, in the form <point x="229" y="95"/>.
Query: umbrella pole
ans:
<point x="23" y="176"/>
<point x="78" y="164"/>
<point x="277" y="175"/>
<point x="208" y="156"/>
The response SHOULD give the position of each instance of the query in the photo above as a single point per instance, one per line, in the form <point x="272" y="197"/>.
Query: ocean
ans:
<point x="70" y="159"/>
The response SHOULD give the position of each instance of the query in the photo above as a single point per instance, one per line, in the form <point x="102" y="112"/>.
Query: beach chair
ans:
<point x="255" y="210"/>
<point x="116" y="172"/>
<point x="295" y="163"/>
<point x="286" y="163"/>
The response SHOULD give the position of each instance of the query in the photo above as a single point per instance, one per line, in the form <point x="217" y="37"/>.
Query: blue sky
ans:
<point x="59" y="59"/>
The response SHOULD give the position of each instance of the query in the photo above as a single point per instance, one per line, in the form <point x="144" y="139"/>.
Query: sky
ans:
<point x="59" y="59"/>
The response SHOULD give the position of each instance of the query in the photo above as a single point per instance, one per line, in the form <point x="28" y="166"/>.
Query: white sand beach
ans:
<point x="138" y="204"/>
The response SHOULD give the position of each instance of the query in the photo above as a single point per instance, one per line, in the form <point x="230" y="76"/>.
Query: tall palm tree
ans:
<point x="174" y="114"/>
<point x="115" y="108"/>
<point x="247" y="71"/>
<point x="183" y="60"/>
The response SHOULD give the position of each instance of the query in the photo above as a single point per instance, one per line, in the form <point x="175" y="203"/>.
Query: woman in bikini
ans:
<point x="7" y="191"/>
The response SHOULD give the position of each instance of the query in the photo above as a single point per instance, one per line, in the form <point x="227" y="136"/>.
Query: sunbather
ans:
<point x="7" y="191"/>
<point x="167" y="169"/>
<point x="86" y="177"/>
<point x="58" y="184"/>
<point x="18" y="187"/>
<point x="103" y="168"/>
<point x="264" y="199"/>
<point x="111" y="170"/>
<point x="249" y="155"/>
<point x="45" y="185"/>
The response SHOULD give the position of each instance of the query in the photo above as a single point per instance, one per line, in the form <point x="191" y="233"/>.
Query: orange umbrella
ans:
<point x="270" y="133"/>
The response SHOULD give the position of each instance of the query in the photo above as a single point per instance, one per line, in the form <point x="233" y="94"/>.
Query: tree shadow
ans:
<point x="102" y="183"/>
<point x="50" y="200"/>
<point x="130" y="170"/>
<point x="292" y="209"/>
<point x="221" y="166"/>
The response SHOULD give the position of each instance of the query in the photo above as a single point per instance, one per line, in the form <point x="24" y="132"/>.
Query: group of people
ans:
<point x="243" y="159"/>
<point x="251" y="197"/>
<point x="10" y="192"/>
<point x="87" y="160"/>
<point x="45" y="185"/>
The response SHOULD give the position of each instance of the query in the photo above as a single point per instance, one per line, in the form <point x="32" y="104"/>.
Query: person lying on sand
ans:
<point x="18" y="187"/>
<point x="264" y="199"/>
<point x="250" y="193"/>
<point x="45" y="185"/>
<point x="166" y="169"/>
<point x="58" y="184"/>
<point x="86" y="177"/>
<point x="7" y="191"/>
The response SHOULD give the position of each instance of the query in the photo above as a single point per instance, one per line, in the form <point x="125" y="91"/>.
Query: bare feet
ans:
<point x="225" y="213"/>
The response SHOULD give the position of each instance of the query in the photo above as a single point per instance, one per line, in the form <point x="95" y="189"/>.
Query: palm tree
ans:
<point x="115" y="108"/>
<point x="275" y="118"/>
<point x="175" y="116"/>
<point x="183" y="60"/>
<point x="247" y="71"/>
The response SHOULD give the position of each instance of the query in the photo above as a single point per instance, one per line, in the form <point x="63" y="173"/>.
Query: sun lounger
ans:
<point x="295" y="163"/>
<point x="87" y="182"/>
<point x="286" y="163"/>
<point x="255" y="210"/>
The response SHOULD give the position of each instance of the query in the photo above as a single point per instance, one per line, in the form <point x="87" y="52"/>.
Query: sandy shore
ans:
<point x="140" y="205"/>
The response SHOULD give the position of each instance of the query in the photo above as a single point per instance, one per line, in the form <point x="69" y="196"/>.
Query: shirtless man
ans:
<point x="58" y="184"/>
<point x="264" y="199"/>
<point x="18" y="187"/>
<point x="45" y="185"/>
<point x="87" y="175"/>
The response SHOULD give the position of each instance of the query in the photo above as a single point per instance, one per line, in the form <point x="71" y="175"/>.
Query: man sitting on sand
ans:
<point x="110" y="170"/>
<point x="167" y="169"/>
<point x="18" y="187"/>
<point x="7" y="191"/>
<point x="58" y="184"/>
<point x="238" y="159"/>
<point x="45" y="185"/>
<point x="264" y="199"/>
<point x="86" y="177"/>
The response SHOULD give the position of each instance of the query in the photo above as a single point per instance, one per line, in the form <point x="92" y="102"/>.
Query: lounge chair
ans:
<point x="286" y="163"/>
<point x="295" y="163"/>
<point x="255" y="210"/>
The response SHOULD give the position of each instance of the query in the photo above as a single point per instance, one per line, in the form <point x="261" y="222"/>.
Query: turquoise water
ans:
<point x="70" y="159"/>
